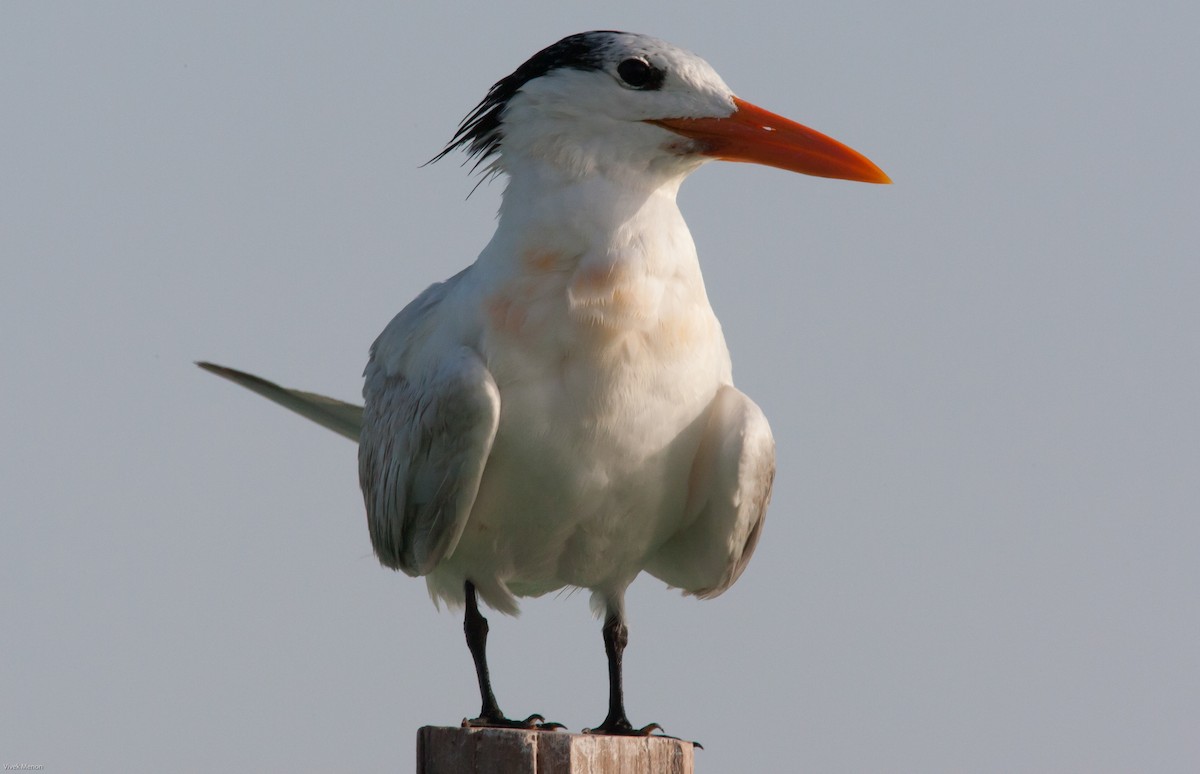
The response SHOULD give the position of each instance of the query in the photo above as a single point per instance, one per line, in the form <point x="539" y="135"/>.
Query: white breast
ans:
<point x="604" y="360"/>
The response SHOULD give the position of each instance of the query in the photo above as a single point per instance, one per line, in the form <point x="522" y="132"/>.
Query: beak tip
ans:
<point x="868" y="172"/>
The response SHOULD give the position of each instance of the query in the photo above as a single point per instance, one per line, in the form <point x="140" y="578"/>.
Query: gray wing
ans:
<point x="342" y="418"/>
<point x="728" y="493"/>
<point x="425" y="440"/>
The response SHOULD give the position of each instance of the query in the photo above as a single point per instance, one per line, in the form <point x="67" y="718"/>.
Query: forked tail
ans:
<point x="342" y="418"/>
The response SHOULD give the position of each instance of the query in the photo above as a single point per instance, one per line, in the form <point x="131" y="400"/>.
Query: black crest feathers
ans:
<point x="479" y="133"/>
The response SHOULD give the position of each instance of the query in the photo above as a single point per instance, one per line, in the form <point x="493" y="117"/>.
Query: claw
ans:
<point x="538" y="722"/>
<point x="624" y="728"/>
<point x="532" y="723"/>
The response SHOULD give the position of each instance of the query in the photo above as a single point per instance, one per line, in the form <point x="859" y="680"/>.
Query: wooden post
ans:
<point x="442" y="750"/>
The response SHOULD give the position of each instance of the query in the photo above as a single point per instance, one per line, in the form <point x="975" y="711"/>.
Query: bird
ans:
<point x="561" y="413"/>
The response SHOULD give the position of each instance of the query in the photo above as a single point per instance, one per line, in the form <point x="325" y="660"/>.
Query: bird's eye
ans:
<point x="640" y="74"/>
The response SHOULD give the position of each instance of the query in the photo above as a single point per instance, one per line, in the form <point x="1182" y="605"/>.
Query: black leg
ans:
<point x="475" y="626"/>
<point x="616" y="637"/>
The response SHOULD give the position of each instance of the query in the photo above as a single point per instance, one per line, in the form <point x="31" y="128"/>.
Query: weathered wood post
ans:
<point x="443" y="750"/>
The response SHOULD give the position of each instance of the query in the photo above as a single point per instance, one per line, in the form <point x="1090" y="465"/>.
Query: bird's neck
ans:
<point x="579" y="218"/>
<point x="591" y="260"/>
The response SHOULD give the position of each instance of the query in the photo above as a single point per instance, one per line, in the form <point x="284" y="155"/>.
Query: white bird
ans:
<point x="562" y="413"/>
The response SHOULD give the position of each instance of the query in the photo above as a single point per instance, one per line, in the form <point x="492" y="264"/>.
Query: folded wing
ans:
<point x="425" y="440"/>
<point x="728" y="492"/>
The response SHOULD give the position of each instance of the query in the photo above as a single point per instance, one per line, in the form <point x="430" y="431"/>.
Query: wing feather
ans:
<point x="729" y="490"/>
<point x="338" y="416"/>
<point x="424" y="445"/>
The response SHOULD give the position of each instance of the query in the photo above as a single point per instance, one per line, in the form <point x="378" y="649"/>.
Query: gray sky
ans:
<point x="983" y="549"/>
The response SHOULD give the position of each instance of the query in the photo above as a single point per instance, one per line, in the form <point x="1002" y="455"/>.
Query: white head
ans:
<point x="623" y="104"/>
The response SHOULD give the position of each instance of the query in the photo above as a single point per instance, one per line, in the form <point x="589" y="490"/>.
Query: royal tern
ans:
<point x="562" y="413"/>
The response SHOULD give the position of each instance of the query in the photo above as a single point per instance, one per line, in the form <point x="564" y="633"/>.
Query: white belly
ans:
<point x="601" y="415"/>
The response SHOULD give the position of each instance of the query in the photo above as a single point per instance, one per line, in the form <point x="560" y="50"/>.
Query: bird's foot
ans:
<point x="531" y="723"/>
<point x="622" y="727"/>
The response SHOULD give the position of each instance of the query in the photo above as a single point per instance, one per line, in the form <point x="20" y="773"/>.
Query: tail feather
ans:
<point x="342" y="418"/>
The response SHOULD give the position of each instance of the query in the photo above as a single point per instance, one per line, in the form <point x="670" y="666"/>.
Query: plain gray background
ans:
<point x="983" y="549"/>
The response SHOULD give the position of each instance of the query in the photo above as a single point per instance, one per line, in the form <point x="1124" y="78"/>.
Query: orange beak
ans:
<point x="759" y="136"/>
